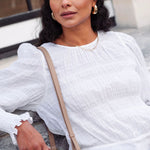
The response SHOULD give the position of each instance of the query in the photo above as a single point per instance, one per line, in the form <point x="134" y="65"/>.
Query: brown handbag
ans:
<point x="75" y="145"/>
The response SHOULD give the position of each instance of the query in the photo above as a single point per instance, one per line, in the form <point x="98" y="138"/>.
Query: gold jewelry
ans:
<point x="52" y="14"/>
<point x="95" y="10"/>
<point x="90" y="49"/>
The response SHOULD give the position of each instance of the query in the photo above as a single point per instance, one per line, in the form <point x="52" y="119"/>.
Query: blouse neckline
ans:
<point x="89" y="45"/>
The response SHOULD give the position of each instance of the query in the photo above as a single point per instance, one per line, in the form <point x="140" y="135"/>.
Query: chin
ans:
<point x="75" y="23"/>
<point x="70" y="25"/>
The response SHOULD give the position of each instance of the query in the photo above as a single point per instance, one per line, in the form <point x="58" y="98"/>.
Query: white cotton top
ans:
<point x="106" y="92"/>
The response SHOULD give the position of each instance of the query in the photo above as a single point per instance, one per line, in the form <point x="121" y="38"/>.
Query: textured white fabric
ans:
<point x="105" y="91"/>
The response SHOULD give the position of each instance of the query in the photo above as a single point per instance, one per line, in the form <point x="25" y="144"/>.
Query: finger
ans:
<point x="37" y="148"/>
<point x="49" y="148"/>
<point x="45" y="147"/>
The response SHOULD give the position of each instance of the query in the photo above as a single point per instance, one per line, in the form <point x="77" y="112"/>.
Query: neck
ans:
<point x="77" y="36"/>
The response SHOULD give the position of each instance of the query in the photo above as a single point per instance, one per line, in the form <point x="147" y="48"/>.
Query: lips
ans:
<point x="68" y="13"/>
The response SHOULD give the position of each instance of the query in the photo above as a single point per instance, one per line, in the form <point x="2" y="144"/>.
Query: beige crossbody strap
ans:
<point x="75" y="145"/>
<point x="52" y="140"/>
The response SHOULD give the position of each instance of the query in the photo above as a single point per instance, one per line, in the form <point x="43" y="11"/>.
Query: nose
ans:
<point x="66" y="3"/>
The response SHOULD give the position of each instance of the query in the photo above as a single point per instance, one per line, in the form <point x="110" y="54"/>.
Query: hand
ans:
<point x="28" y="138"/>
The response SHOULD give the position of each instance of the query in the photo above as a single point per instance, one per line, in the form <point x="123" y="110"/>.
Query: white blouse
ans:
<point x="105" y="92"/>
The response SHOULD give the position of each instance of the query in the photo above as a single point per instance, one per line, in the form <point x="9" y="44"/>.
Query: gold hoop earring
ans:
<point x="95" y="10"/>
<point x="52" y="14"/>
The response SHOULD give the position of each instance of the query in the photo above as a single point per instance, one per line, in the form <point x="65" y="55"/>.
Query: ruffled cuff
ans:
<point x="17" y="122"/>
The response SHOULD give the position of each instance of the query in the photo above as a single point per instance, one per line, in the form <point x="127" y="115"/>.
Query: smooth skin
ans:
<point x="77" y="31"/>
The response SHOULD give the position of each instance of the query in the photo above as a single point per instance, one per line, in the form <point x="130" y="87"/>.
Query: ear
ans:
<point x="94" y="2"/>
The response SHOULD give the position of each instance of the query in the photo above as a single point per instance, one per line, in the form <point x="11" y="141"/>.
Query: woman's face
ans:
<point x="71" y="13"/>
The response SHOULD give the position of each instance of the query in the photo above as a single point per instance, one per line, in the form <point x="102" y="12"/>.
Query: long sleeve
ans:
<point x="141" y="65"/>
<point x="22" y="86"/>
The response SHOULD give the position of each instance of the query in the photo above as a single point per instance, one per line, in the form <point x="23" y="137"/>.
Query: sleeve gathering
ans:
<point x="22" y="85"/>
<point x="142" y="69"/>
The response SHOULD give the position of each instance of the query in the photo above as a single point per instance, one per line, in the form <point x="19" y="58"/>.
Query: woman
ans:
<point x="102" y="75"/>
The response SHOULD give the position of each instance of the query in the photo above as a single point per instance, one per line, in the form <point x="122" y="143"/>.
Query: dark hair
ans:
<point x="52" y="29"/>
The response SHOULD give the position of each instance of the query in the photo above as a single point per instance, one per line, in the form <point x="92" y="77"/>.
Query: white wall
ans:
<point x="124" y="13"/>
<point x="132" y="13"/>
<point x="142" y="12"/>
<point x="19" y="32"/>
<point x="108" y="4"/>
